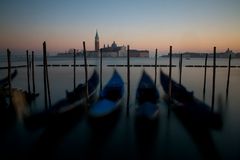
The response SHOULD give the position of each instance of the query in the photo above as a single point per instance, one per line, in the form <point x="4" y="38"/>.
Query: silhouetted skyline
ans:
<point x="143" y="24"/>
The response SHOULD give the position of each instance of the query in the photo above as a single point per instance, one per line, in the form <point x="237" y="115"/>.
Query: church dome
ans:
<point x="114" y="45"/>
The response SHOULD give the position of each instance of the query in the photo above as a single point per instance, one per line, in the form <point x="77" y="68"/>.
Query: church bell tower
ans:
<point x="96" y="42"/>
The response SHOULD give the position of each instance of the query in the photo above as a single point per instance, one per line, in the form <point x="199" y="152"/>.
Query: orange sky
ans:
<point x="184" y="24"/>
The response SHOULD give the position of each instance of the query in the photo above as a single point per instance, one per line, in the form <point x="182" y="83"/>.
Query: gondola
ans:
<point x="4" y="91"/>
<point x="186" y="106"/>
<point x="14" y="106"/>
<point x="77" y="93"/>
<point x="147" y="97"/>
<point x="77" y="97"/>
<point x="110" y="97"/>
<point x="178" y="92"/>
<point x="4" y="82"/>
<point x="67" y="106"/>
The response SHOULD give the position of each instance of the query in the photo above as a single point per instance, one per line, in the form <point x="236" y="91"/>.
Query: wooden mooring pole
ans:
<point x="28" y="74"/>
<point x="86" y="71"/>
<point x="180" y="69"/>
<point x="229" y="70"/>
<point x="9" y="74"/>
<point x="44" y="75"/>
<point x="33" y="74"/>
<point x="47" y="95"/>
<point x="214" y="76"/>
<point x="74" y="69"/>
<point x="48" y="85"/>
<point x="128" y="79"/>
<point x="205" y="74"/>
<point x="155" y="80"/>
<point x="101" y="69"/>
<point x="170" y="75"/>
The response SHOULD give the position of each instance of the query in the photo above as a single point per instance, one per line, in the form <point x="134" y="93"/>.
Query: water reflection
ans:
<point x="54" y="133"/>
<point x="200" y="133"/>
<point x="195" y="116"/>
<point x="125" y="137"/>
<point x="146" y="132"/>
<point x="100" y="136"/>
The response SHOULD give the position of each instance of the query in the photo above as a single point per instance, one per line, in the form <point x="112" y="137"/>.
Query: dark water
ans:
<point x="123" y="136"/>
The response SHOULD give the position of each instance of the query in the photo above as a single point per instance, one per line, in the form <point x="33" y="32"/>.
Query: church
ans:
<point x="112" y="50"/>
<point x="109" y="51"/>
<point x="117" y="51"/>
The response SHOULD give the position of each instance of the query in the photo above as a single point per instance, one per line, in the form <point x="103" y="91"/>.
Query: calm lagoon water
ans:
<point x="166" y="139"/>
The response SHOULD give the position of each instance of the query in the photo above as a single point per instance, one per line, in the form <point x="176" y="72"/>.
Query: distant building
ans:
<point x="139" y="53"/>
<point x="202" y="55"/>
<point x="70" y="52"/>
<point x="228" y="51"/>
<point x="121" y="51"/>
<point x="114" y="50"/>
<point x="226" y="54"/>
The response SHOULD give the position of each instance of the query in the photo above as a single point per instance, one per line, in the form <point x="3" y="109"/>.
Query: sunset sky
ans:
<point x="187" y="25"/>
